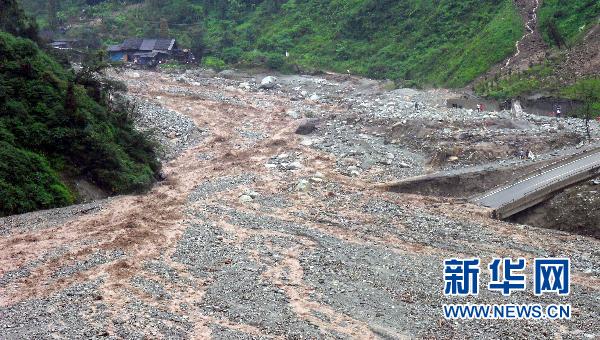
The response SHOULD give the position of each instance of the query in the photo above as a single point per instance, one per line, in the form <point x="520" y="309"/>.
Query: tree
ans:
<point x="235" y="9"/>
<point x="91" y="77"/>
<point x="273" y="6"/>
<point x="14" y="21"/>
<point x="154" y="4"/>
<point x="52" y="14"/>
<point x="198" y="46"/>
<point x="164" y="28"/>
<point x="588" y="92"/>
<point x="554" y="33"/>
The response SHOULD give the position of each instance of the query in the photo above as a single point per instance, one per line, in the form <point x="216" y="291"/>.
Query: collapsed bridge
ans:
<point x="540" y="185"/>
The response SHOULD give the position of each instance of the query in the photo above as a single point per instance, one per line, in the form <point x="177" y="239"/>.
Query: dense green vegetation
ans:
<point x="444" y="42"/>
<point x="562" y="22"/>
<point x="27" y="182"/>
<point x="55" y="126"/>
<point x="563" y="25"/>
<point x="538" y="77"/>
<point x="541" y="78"/>
<point x="14" y="21"/>
<point x="414" y="42"/>
<point x="586" y="90"/>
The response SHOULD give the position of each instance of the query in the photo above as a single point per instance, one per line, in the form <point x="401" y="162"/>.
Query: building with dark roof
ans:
<point x="143" y="51"/>
<point x="65" y="44"/>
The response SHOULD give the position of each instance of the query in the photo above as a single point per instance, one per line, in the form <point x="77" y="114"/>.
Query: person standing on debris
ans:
<point x="416" y="105"/>
<point x="478" y="107"/>
<point x="558" y="111"/>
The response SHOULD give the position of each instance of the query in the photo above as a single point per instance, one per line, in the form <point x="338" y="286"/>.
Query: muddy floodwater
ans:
<point x="258" y="231"/>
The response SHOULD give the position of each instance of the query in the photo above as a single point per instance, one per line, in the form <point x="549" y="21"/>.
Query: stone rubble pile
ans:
<point x="173" y="131"/>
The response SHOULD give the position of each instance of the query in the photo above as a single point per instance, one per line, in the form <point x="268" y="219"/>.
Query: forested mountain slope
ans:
<point x="54" y="127"/>
<point x="560" y="52"/>
<point x="415" y="42"/>
<point x="440" y="43"/>
<point x="565" y="22"/>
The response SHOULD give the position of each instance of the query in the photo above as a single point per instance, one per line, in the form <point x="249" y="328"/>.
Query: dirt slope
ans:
<point x="580" y="60"/>
<point x="256" y="233"/>
<point x="530" y="48"/>
<point x="583" y="59"/>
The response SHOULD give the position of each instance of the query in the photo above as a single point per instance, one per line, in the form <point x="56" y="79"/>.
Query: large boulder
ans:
<point x="307" y="126"/>
<point x="228" y="74"/>
<point x="268" y="83"/>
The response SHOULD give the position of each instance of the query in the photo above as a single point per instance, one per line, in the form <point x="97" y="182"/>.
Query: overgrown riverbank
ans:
<point x="56" y="127"/>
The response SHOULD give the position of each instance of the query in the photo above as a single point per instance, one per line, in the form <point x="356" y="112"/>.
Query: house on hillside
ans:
<point x="147" y="52"/>
<point x="65" y="44"/>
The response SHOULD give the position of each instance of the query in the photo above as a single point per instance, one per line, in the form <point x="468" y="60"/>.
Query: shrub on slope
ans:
<point x="50" y="125"/>
<point x="445" y="42"/>
<point x="562" y="22"/>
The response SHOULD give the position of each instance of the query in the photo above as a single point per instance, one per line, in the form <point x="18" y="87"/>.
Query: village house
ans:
<point x="148" y="52"/>
<point x="65" y="44"/>
<point x="142" y="51"/>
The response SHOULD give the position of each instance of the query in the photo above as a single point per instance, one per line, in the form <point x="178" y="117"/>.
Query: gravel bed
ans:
<point x="355" y="256"/>
<point x="359" y="152"/>
<point x="240" y="294"/>
<point x="173" y="131"/>
<point x="394" y="293"/>
<point x="47" y="219"/>
<point x="96" y="259"/>
<point x="231" y="334"/>
<point x="76" y="312"/>
<point x="151" y="287"/>
<point x="203" y="250"/>
<point x="271" y="202"/>
<point x="143" y="320"/>
<point x="166" y="272"/>
<point x="25" y="270"/>
<point x="207" y="189"/>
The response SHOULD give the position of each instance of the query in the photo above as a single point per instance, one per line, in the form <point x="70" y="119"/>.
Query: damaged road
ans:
<point x="260" y="232"/>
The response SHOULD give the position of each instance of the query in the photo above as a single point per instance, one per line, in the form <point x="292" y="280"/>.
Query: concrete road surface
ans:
<point x="529" y="186"/>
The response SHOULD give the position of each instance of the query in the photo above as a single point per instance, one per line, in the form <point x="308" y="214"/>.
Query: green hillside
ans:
<point x="565" y="21"/>
<point x="563" y="25"/>
<point x="445" y="43"/>
<point x="415" y="42"/>
<point x="52" y="130"/>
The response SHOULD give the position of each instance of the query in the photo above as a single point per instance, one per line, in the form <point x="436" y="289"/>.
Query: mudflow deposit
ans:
<point x="274" y="220"/>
